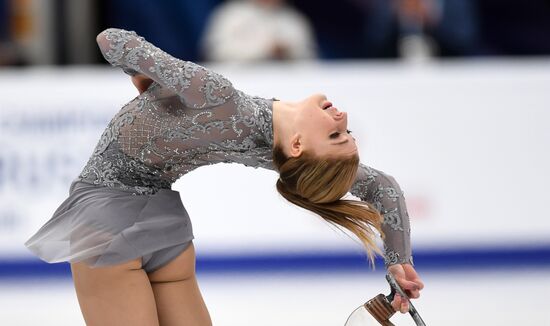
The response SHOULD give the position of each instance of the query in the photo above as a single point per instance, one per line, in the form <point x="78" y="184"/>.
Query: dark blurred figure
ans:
<point x="174" y="26"/>
<point x="515" y="27"/>
<point x="4" y="32"/>
<point x="383" y="28"/>
<point x="445" y="27"/>
<point x="257" y="30"/>
<point x="10" y="52"/>
<point x="337" y="26"/>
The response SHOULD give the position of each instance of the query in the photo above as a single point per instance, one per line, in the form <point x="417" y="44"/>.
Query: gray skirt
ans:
<point x="105" y="226"/>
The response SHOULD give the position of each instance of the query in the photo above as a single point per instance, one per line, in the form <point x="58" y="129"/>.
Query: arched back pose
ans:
<point x="126" y="233"/>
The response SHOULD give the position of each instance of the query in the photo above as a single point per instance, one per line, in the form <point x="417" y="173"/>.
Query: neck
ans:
<point x="283" y="116"/>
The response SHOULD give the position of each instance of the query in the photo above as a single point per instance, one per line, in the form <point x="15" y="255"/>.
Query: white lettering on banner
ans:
<point x="37" y="172"/>
<point x="40" y="122"/>
<point x="41" y="150"/>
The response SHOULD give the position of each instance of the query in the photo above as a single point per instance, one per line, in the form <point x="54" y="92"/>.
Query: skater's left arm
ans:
<point x="198" y="87"/>
<point x="384" y="194"/>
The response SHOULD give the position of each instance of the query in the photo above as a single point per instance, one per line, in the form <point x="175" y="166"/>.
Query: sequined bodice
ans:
<point x="190" y="117"/>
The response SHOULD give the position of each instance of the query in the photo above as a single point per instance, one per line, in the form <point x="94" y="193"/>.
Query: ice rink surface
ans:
<point x="460" y="297"/>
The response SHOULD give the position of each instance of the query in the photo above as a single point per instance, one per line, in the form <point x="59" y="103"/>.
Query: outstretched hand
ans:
<point x="141" y="82"/>
<point x="410" y="282"/>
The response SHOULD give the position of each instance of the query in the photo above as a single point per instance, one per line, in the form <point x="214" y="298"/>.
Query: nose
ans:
<point x="319" y="97"/>
<point x="342" y="120"/>
<point x="337" y="115"/>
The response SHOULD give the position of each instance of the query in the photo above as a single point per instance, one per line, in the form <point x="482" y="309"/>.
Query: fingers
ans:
<point x="409" y="281"/>
<point x="408" y="285"/>
<point x="413" y="294"/>
<point x="410" y="288"/>
<point x="419" y="283"/>
<point x="412" y="275"/>
<point x="400" y="304"/>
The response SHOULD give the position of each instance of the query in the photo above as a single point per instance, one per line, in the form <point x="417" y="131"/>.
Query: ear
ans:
<point x="296" y="146"/>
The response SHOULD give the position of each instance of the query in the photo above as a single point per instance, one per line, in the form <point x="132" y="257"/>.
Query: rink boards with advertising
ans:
<point x="467" y="142"/>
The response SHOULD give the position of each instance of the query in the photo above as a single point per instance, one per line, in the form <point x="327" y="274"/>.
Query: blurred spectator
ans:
<point x="4" y="23"/>
<point x="337" y="25"/>
<point x="10" y="53"/>
<point x="55" y="32"/>
<point x="384" y="28"/>
<point x="4" y="19"/>
<point x="174" y="26"/>
<point x="252" y="30"/>
<point x="420" y="27"/>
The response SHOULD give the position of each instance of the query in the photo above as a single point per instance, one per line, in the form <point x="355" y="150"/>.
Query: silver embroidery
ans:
<point x="190" y="117"/>
<point x="393" y="219"/>
<point x="392" y="257"/>
<point x="384" y="194"/>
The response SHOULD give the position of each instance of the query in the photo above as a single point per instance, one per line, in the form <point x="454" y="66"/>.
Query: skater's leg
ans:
<point x="115" y="295"/>
<point x="179" y="300"/>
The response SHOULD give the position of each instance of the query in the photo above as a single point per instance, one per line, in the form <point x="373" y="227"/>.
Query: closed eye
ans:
<point x="336" y="134"/>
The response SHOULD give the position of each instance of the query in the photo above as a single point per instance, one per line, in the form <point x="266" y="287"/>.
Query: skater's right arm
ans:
<point x="197" y="86"/>
<point x="383" y="192"/>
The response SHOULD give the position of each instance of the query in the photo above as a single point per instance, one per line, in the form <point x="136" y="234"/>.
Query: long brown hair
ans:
<point x="318" y="184"/>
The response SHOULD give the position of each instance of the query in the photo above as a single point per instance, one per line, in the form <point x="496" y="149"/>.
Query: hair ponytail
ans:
<point x="318" y="186"/>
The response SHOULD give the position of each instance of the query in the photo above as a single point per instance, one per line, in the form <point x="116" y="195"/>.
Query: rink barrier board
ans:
<point x="425" y="260"/>
<point x="463" y="189"/>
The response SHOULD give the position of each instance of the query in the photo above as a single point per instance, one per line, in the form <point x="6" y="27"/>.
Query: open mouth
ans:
<point x="327" y="105"/>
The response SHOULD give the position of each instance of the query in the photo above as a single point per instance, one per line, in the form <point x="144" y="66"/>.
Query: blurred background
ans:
<point x="451" y="97"/>
<point x="61" y="32"/>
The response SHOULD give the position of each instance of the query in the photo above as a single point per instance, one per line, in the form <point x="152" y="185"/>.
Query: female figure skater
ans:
<point x="126" y="233"/>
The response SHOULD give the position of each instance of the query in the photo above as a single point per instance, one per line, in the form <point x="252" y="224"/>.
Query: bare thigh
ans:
<point x="179" y="300"/>
<point x="115" y="295"/>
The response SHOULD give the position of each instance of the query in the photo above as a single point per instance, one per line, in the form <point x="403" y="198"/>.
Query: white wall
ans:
<point x="467" y="141"/>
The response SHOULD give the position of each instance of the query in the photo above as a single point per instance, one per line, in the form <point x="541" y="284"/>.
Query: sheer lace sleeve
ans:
<point x="197" y="86"/>
<point x="383" y="192"/>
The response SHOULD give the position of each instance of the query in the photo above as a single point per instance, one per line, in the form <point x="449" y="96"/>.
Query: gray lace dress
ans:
<point x="121" y="206"/>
